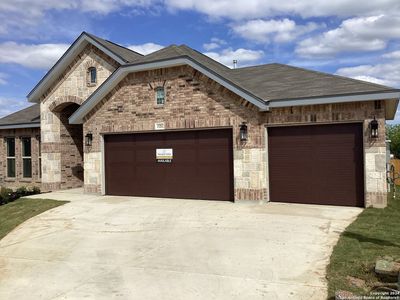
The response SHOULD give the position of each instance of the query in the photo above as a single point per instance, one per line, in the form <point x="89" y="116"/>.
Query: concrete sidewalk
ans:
<point x="107" y="247"/>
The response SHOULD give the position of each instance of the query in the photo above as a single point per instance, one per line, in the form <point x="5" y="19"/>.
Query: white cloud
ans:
<point x="393" y="55"/>
<point x="355" y="34"/>
<point x="280" y="30"/>
<point x="146" y="48"/>
<point x="250" y="9"/>
<point x="383" y="73"/>
<point x="9" y="105"/>
<point x="243" y="56"/>
<point x="215" y="43"/>
<point x="29" y="15"/>
<point x="3" y="80"/>
<point x="40" y="56"/>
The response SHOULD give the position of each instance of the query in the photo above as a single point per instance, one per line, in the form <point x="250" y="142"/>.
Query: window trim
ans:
<point x="160" y="88"/>
<point x="11" y="157"/>
<point x="23" y="157"/>
<point x="89" y="76"/>
<point x="38" y="138"/>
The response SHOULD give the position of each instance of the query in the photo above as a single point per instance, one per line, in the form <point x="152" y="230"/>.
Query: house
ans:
<point x="175" y="123"/>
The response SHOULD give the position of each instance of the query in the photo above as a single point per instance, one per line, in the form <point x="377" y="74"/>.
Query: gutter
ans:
<point x="20" y="125"/>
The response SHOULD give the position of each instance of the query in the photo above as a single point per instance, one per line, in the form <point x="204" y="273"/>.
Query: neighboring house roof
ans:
<point x="26" y="118"/>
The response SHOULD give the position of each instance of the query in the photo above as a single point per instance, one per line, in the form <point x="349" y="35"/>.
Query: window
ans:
<point x="10" y="157"/>
<point x="160" y="96"/>
<point x="40" y="156"/>
<point x="26" y="157"/>
<point x="92" y="75"/>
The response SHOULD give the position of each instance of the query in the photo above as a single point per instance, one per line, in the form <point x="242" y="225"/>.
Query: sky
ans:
<point x="354" y="38"/>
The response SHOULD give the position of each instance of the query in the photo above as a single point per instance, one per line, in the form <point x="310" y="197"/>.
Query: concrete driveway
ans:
<point x="145" y="248"/>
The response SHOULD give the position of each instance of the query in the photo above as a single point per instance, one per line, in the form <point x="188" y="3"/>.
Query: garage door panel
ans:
<point x="319" y="164"/>
<point x="201" y="167"/>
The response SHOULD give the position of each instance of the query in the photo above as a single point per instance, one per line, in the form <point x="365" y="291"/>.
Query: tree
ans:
<point x="393" y="134"/>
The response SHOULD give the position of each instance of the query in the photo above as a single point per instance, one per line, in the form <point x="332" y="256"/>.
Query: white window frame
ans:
<point x="39" y="156"/>
<point x="89" y="76"/>
<point x="11" y="157"/>
<point x="26" y="157"/>
<point x="160" y="88"/>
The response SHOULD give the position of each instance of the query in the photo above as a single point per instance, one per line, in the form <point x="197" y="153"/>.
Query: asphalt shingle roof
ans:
<point x="268" y="82"/>
<point x="126" y="54"/>
<point x="279" y="81"/>
<point x="272" y="81"/>
<point x="29" y="115"/>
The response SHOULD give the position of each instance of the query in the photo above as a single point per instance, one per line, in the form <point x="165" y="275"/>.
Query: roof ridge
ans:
<point x="202" y="54"/>
<point x="255" y="66"/>
<point x="336" y="76"/>
<point x="160" y="50"/>
<point x="111" y="42"/>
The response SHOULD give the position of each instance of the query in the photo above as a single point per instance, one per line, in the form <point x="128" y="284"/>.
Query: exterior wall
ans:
<point x="18" y="181"/>
<point x="72" y="87"/>
<point x="192" y="101"/>
<point x="374" y="149"/>
<point x="71" y="150"/>
<point x="195" y="101"/>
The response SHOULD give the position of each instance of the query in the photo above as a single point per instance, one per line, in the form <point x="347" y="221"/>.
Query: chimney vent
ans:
<point x="234" y="63"/>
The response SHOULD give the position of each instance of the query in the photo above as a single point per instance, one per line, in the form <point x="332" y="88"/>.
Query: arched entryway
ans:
<point x="71" y="147"/>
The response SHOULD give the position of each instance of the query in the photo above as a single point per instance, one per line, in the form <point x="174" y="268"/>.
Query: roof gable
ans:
<point x="120" y="54"/>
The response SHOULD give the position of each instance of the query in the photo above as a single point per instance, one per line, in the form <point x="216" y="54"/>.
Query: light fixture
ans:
<point x="88" y="139"/>
<point x="374" y="128"/>
<point x="243" y="132"/>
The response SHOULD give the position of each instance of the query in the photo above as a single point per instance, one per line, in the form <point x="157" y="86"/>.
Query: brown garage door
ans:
<point x="201" y="167"/>
<point x="319" y="164"/>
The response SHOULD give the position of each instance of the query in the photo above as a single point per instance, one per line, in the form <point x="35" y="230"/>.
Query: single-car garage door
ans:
<point x="176" y="164"/>
<point x="317" y="164"/>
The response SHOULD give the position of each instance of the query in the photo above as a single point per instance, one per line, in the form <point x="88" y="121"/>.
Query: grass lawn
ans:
<point x="376" y="232"/>
<point x="14" y="213"/>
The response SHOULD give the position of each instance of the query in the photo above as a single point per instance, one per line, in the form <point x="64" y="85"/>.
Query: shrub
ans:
<point x="8" y="195"/>
<point x="22" y="191"/>
<point x="35" y="190"/>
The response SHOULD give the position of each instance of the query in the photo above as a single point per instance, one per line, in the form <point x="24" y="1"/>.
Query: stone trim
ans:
<point x="51" y="186"/>
<point x="62" y="102"/>
<point x="92" y="189"/>
<point x="51" y="147"/>
<point x="250" y="194"/>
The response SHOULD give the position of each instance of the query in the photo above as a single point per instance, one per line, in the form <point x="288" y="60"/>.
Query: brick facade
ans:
<point x="19" y="180"/>
<point x="195" y="101"/>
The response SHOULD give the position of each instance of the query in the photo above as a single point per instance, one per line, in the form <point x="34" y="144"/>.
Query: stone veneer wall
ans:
<point x="192" y="101"/>
<point x="71" y="87"/>
<point x="374" y="149"/>
<point x="18" y="181"/>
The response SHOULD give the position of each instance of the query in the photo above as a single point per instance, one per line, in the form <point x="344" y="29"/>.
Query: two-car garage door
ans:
<point x="195" y="164"/>
<point x="318" y="164"/>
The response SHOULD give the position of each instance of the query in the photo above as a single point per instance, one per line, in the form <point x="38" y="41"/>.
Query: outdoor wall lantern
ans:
<point x="243" y="132"/>
<point x="88" y="139"/>
<point x="374" y="128"/>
